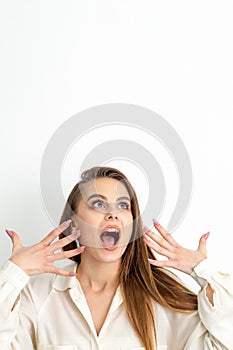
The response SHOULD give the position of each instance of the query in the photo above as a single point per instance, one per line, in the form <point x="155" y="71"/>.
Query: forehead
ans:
<point x="108" y="187"/>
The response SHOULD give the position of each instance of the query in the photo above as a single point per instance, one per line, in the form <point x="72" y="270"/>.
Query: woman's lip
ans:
<point x="111" y="248"/>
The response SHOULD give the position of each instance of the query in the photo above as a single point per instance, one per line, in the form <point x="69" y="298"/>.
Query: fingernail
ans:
<point x="155" y="222"/>
<point x="150" y="260"/>
<point x="145" y="228"/>
<point x="207" y="235"/>
<point x="146" y="238"/>
<point x="76" y="232"/>
<point x="81" y="249"/>
<point x="66" y="223"/>
<point x="72" y="274"/>
<point x="10" y="233"/>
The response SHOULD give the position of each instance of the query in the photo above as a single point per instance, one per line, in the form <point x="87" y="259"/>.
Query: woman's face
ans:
<point x="104" y="218"/>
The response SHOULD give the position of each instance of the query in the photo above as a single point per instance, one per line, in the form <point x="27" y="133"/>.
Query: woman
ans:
<point x="114" y="294"/>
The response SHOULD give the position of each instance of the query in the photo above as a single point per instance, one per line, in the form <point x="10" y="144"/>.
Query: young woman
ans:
<point x="114" y="294"/>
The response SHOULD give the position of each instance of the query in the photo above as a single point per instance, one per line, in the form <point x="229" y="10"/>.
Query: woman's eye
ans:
<point x="98" y="205"/>
<point x="124" y="205"/>
<point x="103" y="206"/>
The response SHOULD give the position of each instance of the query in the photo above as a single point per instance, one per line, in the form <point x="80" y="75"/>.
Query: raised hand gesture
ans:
<point x="39" y="258"/>
<point x="179" y="258"/>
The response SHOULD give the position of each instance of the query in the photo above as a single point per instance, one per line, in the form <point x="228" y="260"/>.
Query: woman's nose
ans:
<point x="112" y="216"/>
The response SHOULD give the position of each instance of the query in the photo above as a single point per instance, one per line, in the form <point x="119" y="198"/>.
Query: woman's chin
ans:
<point x="105" y="254"/>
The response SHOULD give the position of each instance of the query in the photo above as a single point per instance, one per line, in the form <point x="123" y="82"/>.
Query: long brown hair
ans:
<point x="140" y="282"/>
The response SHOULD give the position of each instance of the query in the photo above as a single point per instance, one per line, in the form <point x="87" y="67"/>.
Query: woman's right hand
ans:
<point x="39" y="258"/>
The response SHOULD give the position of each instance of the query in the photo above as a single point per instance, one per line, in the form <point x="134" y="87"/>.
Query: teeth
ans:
<point x="112" y="230"/>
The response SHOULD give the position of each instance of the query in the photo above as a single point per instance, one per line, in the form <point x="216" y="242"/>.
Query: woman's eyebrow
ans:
<point x="123" y="198"/>
<point x="98" y="195"/>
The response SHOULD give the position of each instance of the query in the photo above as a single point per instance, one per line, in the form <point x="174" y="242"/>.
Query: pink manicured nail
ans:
<point x="155" y="222"/>
<point x="146" y="238"/>
<point x="66" y="223"/>
<point x="145" y="228"/>
<point x="150" y="260"/>
<point x="81" y="249"/>
<point x="72" y="274"/>
<point x="10" y="233"/>
<point x="207" y="235"/>
<point x="76" y="232"/>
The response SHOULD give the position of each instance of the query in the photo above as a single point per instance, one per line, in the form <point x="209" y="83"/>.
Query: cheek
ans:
<point x="127" y="229"/>
<point x="89" y="232"/>
<point x="88" y="220"/>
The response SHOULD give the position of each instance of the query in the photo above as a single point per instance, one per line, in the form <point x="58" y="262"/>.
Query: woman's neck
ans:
<point x="98" y="276"/>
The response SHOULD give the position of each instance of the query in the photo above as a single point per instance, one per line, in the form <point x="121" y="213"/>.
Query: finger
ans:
<point x="66" y="254"/>
<point x="157" y="248"/>
<point x="59" y="271"/>
<point x="64" y="241"/>
<point x="203" y="241"/>
<point x="161" y="263"/>
<point x="55" y="233"/>
<point x="14" y="238"/>
<point x="166" y="235"/>
<point x="158" y="239"/>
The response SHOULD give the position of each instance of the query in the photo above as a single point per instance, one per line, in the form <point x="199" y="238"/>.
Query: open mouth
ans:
<point x="110" y="237"/>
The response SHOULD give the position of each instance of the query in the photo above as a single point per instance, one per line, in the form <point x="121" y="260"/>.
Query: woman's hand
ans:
<point x="179" y="258"/>
<point x="39" y="258"/>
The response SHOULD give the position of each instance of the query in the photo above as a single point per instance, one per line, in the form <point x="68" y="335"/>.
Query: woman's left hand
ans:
<point x="179" y="258"/>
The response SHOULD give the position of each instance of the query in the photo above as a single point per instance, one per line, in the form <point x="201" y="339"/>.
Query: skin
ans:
<point x="95" y="213"/>
<point x="39" y="258"/>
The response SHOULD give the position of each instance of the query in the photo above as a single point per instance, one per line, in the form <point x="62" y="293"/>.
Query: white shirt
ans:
<point x="51" y="313"/>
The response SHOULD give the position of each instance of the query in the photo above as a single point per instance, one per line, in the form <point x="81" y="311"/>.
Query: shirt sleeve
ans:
<point x="16" y="333"/>
<point x="217" y="318"/>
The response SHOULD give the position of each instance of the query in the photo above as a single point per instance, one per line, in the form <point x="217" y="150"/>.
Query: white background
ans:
<point x="173" y="57"/>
